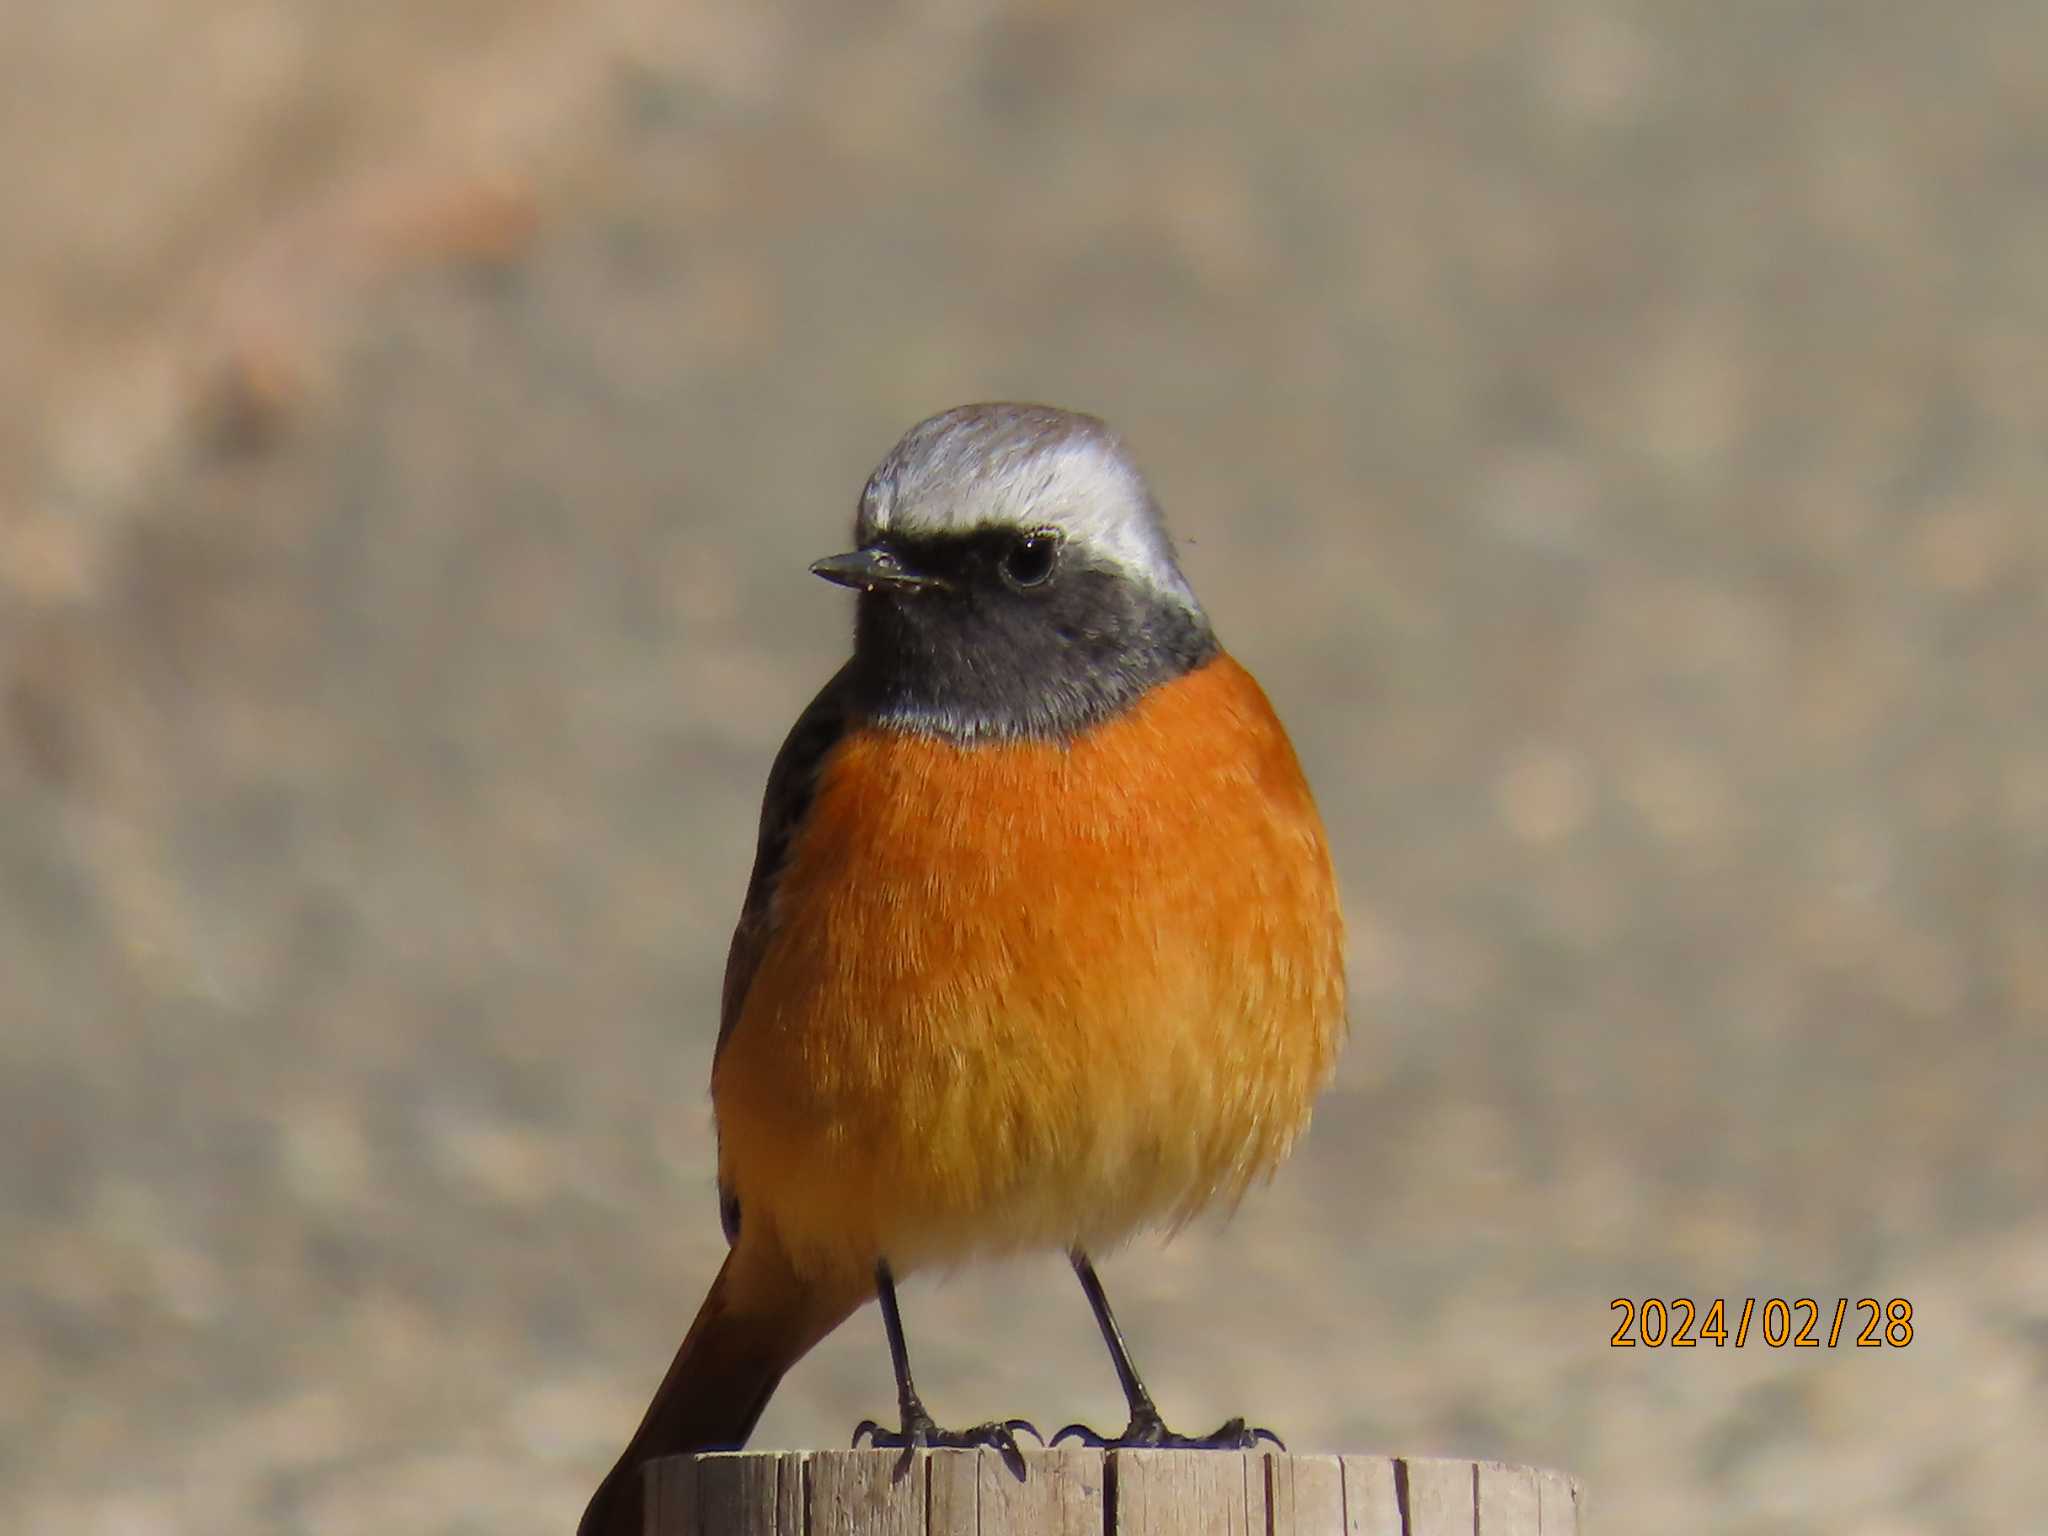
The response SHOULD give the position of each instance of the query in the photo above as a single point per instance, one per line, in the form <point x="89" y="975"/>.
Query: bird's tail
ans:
<point x="758" y="1320"/>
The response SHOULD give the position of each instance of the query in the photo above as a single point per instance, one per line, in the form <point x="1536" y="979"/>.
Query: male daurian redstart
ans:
<point x="1042" y="943"/>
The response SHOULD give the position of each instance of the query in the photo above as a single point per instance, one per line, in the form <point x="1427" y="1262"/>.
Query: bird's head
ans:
<point x="1016" y="578"/>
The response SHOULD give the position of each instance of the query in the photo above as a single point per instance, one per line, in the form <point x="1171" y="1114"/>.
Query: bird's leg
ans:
<point x="918" y="1430"/>
<point x="1146" y="1429"/>
<point x="1146" y="1425"/>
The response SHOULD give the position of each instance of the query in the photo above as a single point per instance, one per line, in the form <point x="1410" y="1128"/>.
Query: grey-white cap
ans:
<point x="1024" y="466"/>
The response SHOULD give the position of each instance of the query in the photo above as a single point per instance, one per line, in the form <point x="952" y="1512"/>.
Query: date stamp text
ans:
<point x="1777" y="1322"/>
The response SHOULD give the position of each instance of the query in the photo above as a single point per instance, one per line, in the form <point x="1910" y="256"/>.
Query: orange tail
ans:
<point x="752" y="1327"/>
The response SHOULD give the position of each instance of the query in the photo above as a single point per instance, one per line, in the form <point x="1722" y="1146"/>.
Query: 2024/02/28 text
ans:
<point x="1681" y="1323"/>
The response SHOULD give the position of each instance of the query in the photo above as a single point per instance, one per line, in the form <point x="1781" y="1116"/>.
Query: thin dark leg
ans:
<point x="907" y="1401"/>
<point x="1143" y="1412"/>
<point x="1146" y="1428"/>
<point x="917" y="1426"/>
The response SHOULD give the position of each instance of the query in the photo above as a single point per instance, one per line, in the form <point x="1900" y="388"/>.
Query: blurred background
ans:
<point x="1616" y="434"/>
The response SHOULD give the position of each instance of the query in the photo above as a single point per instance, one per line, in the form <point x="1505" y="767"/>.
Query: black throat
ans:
<point x="978" y="661"/>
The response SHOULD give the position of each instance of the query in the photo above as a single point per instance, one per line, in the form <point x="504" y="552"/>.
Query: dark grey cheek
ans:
<point x="1046" y="662"/>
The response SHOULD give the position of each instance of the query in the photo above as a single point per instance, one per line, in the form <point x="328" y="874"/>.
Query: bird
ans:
<point x="1042" y="945"/>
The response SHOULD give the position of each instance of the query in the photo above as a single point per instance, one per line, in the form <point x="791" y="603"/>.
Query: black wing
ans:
<point x="791" y="782"/>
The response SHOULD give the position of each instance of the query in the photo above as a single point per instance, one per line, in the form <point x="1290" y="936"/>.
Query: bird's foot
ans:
<point x="1148" y="1432"/>
<point x="920" y="1433"/>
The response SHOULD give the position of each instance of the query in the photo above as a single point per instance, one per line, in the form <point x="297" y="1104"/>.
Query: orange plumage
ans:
<point x="1034" y="994"/>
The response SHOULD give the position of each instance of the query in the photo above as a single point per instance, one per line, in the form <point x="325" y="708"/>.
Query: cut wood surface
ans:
<point x="1077" y="1492"/>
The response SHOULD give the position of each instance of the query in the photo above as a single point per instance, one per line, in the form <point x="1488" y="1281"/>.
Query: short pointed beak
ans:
<point x="870" y="570"/>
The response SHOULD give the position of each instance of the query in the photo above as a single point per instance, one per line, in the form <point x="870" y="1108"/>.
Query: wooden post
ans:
<point x="1075" y="1492"/>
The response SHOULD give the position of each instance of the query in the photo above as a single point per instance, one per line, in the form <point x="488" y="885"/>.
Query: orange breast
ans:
<point x="1031" y="995"/>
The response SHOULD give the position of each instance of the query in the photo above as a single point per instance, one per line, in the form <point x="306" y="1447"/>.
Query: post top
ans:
<point x="1075" y="1491"/>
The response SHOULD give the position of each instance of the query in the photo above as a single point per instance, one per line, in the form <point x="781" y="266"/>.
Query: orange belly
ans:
<point x="1025" y="994"/>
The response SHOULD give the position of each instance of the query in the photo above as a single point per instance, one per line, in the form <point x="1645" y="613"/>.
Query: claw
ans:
<point x="1004" y="1438"/>
<point x="998" y="1435"/>
<point x="1235" y="1434"/>
<point x="1152" y="1435"/>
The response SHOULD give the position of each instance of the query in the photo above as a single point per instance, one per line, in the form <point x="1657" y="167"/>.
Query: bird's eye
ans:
<point x="1029" y="561"/>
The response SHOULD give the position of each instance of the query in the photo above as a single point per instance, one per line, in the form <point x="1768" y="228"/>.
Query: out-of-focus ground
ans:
<point x="1617" y="435"/>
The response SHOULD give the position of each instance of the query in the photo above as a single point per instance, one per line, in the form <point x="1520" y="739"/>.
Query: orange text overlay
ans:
<point x="1776" y="1322"/>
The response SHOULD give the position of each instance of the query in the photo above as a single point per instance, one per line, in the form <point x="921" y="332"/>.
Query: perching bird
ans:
<point x="1042" y="944"/>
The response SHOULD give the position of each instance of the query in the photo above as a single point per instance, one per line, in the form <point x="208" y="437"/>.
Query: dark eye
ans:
<point x="1030" y="560"/>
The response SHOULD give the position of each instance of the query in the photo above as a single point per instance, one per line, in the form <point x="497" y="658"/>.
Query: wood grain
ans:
<point x="1077" y="1492"/>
